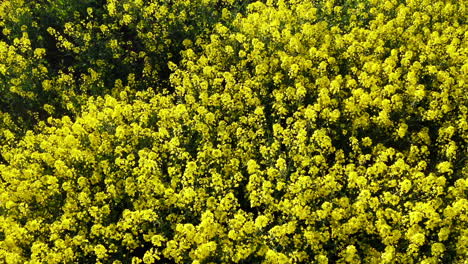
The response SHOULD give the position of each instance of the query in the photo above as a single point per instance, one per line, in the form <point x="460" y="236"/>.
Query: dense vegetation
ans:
<point x="222" y="131"/>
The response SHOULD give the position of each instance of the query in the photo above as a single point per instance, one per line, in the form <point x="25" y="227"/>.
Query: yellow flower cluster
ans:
<point x="278" y="132"/>
<point x="54" y="55"/>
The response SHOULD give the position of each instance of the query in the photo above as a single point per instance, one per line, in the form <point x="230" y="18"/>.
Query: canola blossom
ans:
<point x="222" y="131"/>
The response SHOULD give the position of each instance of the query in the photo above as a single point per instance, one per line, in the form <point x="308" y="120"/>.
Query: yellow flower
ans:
<point x="100" y="251"/>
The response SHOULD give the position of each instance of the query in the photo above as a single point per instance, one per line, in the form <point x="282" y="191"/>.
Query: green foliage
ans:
<point x="227" y="132"/>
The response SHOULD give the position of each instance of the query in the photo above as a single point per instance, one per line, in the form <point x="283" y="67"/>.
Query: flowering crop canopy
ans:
<point x="221" y="131"/>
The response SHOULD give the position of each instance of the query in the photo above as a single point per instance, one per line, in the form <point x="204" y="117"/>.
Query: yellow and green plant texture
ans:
<point x="222" y="131"/>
